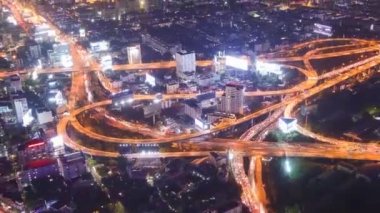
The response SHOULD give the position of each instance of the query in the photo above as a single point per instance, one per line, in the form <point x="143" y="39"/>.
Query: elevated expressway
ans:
<point x="306" y="91"/>
<point x="308" y="86"/>
<point x="333" y="148"/>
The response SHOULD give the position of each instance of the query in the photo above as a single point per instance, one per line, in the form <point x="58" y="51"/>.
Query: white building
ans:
<point x="287" y="125"/>
<point x="55" y="96"/>
<point x="134" y="54"/>
<point x="60" y="55"/>
<point x="185" y="63"/>
<point x="21" y="107"/>
<point x="172" y="87"/>
<point x="44" y="116"/>
<point x="15" y="83"/>
<point x="232" y="100"/>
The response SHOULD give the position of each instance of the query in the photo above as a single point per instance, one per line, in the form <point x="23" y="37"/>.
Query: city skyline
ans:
<point x="116" y="99"/>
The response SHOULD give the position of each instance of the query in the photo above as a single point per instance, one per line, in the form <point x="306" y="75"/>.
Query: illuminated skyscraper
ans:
<point x="232" y="101"/>
<point x="185" y="63"/>
<point x="21" y="107"/>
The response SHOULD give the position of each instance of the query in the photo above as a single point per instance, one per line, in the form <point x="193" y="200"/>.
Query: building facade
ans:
<point x="185" y="63"/>
<point x="232" y="100"/>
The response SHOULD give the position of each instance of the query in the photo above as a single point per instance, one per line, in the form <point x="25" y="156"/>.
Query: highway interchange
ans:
<point x="253" y="194"/>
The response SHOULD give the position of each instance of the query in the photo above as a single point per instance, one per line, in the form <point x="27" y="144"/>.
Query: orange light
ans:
<point x="36" y="144"/>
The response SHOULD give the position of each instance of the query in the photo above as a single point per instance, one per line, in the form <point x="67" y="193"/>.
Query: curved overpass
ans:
<point x="350" y="70"/>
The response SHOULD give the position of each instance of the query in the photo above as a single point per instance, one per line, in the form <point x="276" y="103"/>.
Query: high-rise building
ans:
<point x="134" y="54"/>
<point x="21" y="107"/>
<point x="232" y="101"/>
<point x="34" y="50"/>
<point x="220" y="62"/>
<point x="15" y="83"/>
<point x="185" y="63"/>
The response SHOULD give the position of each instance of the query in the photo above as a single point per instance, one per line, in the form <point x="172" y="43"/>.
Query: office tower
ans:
<point x="232" y="101"/>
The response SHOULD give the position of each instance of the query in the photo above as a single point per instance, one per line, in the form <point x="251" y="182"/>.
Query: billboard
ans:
<point x="237" y="62"/>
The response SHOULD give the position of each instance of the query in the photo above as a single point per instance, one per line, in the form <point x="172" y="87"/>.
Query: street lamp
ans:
<point x="230" y="155"/>
<point x="287" y="166"/>
<point x="129" y="100"/>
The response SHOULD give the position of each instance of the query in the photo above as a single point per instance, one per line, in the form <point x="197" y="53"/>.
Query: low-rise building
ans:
<point x="38" y="169"/>
<point x="32" y="150"/>
<point x="6" y="111"/>
<point x="72" y="165"/>
<point x="44" y="116"/>
<point x="15" y="83"/>
<point x="172" y="87"/>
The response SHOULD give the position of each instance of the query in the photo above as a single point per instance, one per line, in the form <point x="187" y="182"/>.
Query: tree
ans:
<point x="117" y="207"/>
<point x="293" y="209"/>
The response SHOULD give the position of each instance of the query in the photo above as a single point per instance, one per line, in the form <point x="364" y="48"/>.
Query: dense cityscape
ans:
<point x="209" y="106"/>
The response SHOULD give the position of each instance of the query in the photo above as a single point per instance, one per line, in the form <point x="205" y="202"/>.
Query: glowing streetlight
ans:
<point x="129" y="100"/>
<point x="230" y="155"/>
<point x="287" y="166"/>
<point x="34" y="75"/>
